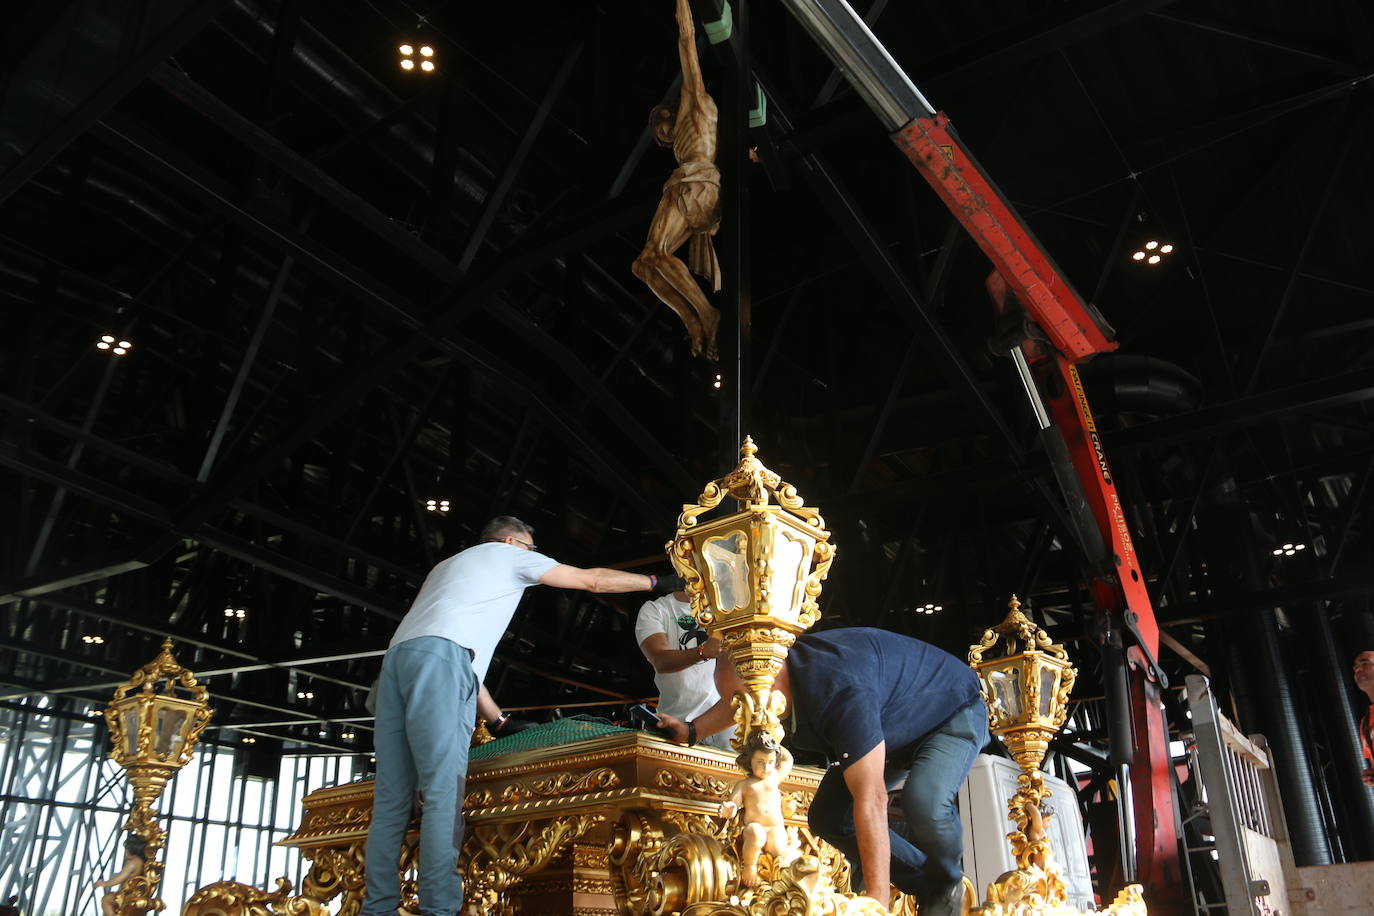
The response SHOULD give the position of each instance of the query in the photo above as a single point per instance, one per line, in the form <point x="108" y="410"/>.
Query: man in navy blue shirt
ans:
<point x="881" y="707"/>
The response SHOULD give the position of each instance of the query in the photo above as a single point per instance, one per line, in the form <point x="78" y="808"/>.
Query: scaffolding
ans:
<point x="63" y="803"/>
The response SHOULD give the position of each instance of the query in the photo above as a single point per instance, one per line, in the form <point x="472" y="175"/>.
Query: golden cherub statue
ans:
<point x="759" y="796"/>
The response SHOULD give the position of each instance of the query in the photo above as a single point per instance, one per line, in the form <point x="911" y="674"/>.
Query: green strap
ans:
<point x="758" y="115"/>
<point x="721" y="29"/>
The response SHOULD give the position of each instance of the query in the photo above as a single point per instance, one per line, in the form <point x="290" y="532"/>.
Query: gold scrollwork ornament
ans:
<point x="497" y="855"/>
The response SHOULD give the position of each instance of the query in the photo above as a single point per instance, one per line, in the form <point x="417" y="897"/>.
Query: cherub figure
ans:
<point x="690" y="207"/>
<point x="760" y="797"/>
<point x="135" y="859"/>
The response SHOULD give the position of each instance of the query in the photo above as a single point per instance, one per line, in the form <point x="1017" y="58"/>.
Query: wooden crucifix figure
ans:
<point x="690" y="208"/>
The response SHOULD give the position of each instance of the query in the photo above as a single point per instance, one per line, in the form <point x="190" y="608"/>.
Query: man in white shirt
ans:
<point x="427" y="696"/>
<point x="684" y="660"/>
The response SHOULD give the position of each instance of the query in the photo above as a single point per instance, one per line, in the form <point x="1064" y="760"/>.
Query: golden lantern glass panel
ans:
<point x="727" y="571"/>
<point x="130" y="715"/>
<point x="1007" y="687"/>
<point x="169" y="729"/>
<point x="791" y="563"/>
<point x="1049" y="682"/>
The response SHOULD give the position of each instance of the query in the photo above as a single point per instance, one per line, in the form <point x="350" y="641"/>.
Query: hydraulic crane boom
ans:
<point x="1072" y="331"/>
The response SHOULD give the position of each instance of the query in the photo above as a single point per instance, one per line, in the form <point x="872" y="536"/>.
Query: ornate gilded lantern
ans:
<point x="753" y="577"/>
<point x="1026" y="688"/>
<point x="155" y="721"/>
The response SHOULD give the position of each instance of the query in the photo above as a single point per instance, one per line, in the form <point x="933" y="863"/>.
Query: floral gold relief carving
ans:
<point x="562" y="784"/>
<point x="695" y="783"/>
<point x="230" y="898"/>
<point x="495" y="855"/>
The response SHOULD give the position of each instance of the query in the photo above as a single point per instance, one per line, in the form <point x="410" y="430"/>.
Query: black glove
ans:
<point x="505" y="726"/>
<point x="670" y="582"/>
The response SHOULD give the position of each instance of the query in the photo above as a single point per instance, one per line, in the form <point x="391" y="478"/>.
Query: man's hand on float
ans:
<point x="675" y="727"/>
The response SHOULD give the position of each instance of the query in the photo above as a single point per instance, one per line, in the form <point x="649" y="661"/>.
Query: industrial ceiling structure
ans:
<point x="364" y="308"/>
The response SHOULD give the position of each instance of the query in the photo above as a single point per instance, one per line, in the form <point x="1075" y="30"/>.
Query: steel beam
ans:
<point x="111" y="89"/>
<point x="483" y="294"/>
<point x="497" y="198"/>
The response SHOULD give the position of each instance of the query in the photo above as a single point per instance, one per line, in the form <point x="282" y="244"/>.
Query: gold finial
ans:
<point x="748" y="449"/>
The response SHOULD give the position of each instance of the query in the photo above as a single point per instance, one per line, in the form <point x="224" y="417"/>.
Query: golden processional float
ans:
<point x="615" y="822"/>
<point x="155" y="721"/>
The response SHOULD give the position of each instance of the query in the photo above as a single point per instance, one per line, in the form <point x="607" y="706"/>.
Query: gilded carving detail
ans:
<point x="584" y="856"/>
<point x="334" y="871"/>
<point x="695" y="783"/>
<point x="230" y="898"/>
<point x="691" y="822"/>
<point x="570" y="783"/>
<point x="495" y="855"/>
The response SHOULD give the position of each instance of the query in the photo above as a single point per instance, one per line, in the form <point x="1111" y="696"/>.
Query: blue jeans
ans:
<point x="426" y="703"/>
<point x="934" y="769"/>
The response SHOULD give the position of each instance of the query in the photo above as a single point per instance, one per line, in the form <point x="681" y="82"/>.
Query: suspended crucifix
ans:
<point x="690" y="208"/>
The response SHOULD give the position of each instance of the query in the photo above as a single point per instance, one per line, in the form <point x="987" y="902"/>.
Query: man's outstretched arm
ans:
<point x="597" y="579"/>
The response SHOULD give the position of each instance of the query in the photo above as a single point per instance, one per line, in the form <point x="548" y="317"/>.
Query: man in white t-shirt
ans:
<point x="684" y="660"/>
<point x="427" y="696"/>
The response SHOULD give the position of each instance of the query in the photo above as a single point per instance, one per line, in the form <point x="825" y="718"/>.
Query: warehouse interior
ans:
<point x="363" y="308"/>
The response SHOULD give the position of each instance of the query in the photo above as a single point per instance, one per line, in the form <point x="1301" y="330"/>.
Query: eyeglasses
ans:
<point x="528" y="545"/>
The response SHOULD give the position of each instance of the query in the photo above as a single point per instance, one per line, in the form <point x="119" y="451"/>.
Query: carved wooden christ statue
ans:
<point x="690" y="208"/>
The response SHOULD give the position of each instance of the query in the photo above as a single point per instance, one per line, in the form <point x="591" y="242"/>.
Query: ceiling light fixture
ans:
<point x="348" y="736"/>
<point x="407" y="59"/>
<point x="929" y="608"/>
<point x="93" y="640"/>
<point x="716" y="383"/>
<point x="1287" y="550"/>
<point x="436" y="505"/>
<point x="240" y="613"/>
<point x="250" y="740"/>
<point x="1152" y="252"/>
<point x="304" y="695"/>
<point x="117" y="347"/>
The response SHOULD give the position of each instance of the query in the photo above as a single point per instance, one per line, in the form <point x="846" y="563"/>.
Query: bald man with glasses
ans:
<point x="427" y="699"/>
